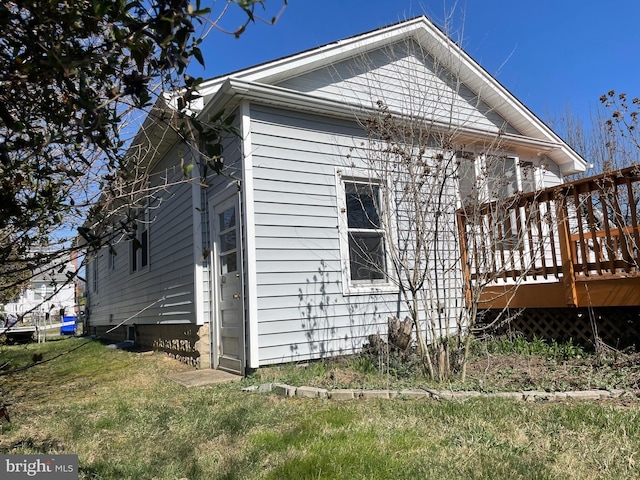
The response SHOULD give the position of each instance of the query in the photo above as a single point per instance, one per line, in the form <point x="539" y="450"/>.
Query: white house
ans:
<point x="50" y="292"/>
<point x="256" y="267"/>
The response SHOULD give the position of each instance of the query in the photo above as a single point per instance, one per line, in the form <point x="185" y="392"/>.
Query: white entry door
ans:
<point x="229" y="298"/>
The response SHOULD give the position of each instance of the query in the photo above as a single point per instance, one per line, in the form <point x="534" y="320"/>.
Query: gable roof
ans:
<point x="258" y="83"/>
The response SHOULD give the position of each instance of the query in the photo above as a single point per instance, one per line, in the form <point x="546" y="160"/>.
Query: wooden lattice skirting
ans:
<point x="618" y="327"/>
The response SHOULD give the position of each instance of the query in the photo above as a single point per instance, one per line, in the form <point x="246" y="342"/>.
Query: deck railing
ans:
<point x="579" y="231"/>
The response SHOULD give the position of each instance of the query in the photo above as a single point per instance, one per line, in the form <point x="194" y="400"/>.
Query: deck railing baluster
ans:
<point x="634" y="223"/>
<point x="586" y="230"/>
<point x="529" y="232"/>
<point x="540" y="247"/>
<point x="584" y="267"/>
<point x="553" y="234"/>
<point x="611" y="256"/>
<point x="597" y="249"/>
<point x="520" y="239"/>
<point x="621" y="239"/>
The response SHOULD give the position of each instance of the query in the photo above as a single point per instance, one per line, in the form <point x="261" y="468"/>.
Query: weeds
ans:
<point x="519" y="345"/>
<point x="497" y="364"/>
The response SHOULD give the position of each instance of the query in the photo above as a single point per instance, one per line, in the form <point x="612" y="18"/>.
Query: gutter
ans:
<point x="234" y="90"/>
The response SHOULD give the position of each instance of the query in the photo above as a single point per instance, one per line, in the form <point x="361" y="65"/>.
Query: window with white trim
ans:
<point x="364" y="242"/>
<point x="508" y="176"/>
<point x="139" y="243"/>
<point x="43" y="291"/>
<point x="94" y="273"/>
<point x="112" y="257"/>
<point x="488" y="179"/>
<point x="495" y="178"/>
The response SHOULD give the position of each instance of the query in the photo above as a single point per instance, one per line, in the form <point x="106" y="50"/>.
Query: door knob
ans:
<point x="236" y="296"/>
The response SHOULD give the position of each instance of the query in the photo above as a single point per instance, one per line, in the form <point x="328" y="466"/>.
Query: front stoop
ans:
<point x="203" y="378"/>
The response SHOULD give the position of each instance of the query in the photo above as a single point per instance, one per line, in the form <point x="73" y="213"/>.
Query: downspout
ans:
<point x="198" y="212"/>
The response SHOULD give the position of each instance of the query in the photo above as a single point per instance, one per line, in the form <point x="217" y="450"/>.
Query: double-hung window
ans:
<point x="364" y="242"/>
<point x="139" y="244"/>
<point x="112" y="254"/>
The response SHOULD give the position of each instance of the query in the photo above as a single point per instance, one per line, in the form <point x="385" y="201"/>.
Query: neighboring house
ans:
<point x="49" y="294"/>
<point x="256" y="268"/>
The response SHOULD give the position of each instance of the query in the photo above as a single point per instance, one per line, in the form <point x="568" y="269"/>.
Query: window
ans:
<point x="467" y="178"/>
<point x="363" y="239"/>
<point x="528" y="177"/>
<point x="490" y="178"/>
<point x="493" y="178"/>
<point x="510" y="175"/>
<point x="112" y="257"/>
<point x="43" y="291"/>
<point x="139" y="244"/>
<point x="502" y="177"/>
<point x="94" y="273"/>
<point x="228" y="241"/>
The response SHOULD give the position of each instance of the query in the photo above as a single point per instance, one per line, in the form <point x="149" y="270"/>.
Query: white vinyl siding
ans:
<point x="216" y="183"/>
<point x="405" y="77"/>
<point x="162" y="292"/>
<point x="302" y="310"/>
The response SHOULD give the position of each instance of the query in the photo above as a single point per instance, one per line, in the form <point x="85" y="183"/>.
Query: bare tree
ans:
<point x="454" y="224"/>
<point x="86" y="105"/>
<point x="439" y="185"/>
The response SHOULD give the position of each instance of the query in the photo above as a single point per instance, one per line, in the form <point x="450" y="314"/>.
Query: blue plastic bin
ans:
<point x="69" y="326"/>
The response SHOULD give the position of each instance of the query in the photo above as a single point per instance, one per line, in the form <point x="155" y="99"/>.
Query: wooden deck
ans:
<point x="575" y="245"/>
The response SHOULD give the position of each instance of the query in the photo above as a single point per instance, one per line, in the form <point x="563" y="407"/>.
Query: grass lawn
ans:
<point x="121" y="416"/>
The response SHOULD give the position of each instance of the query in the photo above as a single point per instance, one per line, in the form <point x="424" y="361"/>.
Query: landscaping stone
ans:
<point x="344" y="394"/>
<point x="415" y="394"/>
<point x="586" y="394"/>
<point x="616" y="393"/>
<point x="460" y="396"/>
<point x="369" y="394"/>
<point x="433" y="393"/>
<point x="284" y="390"/>
<point x="464" y="395"/>
<point x="512" y="395"/>
<point x="537" y="395"/>
<point x="312" y="392"/>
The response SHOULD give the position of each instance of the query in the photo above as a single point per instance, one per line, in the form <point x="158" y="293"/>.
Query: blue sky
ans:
<point x="550" y="53"/>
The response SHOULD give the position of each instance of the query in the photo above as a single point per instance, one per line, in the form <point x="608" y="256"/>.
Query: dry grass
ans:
<point x="118" y="413"/>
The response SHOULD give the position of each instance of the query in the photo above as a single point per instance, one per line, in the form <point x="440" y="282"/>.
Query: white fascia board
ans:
<point x="233" y="91"/>
<point x="296" y="64"/>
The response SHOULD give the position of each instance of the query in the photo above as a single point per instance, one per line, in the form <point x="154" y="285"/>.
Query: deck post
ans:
<point x="568" y="273"/>
<point x="464" y="256"/>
